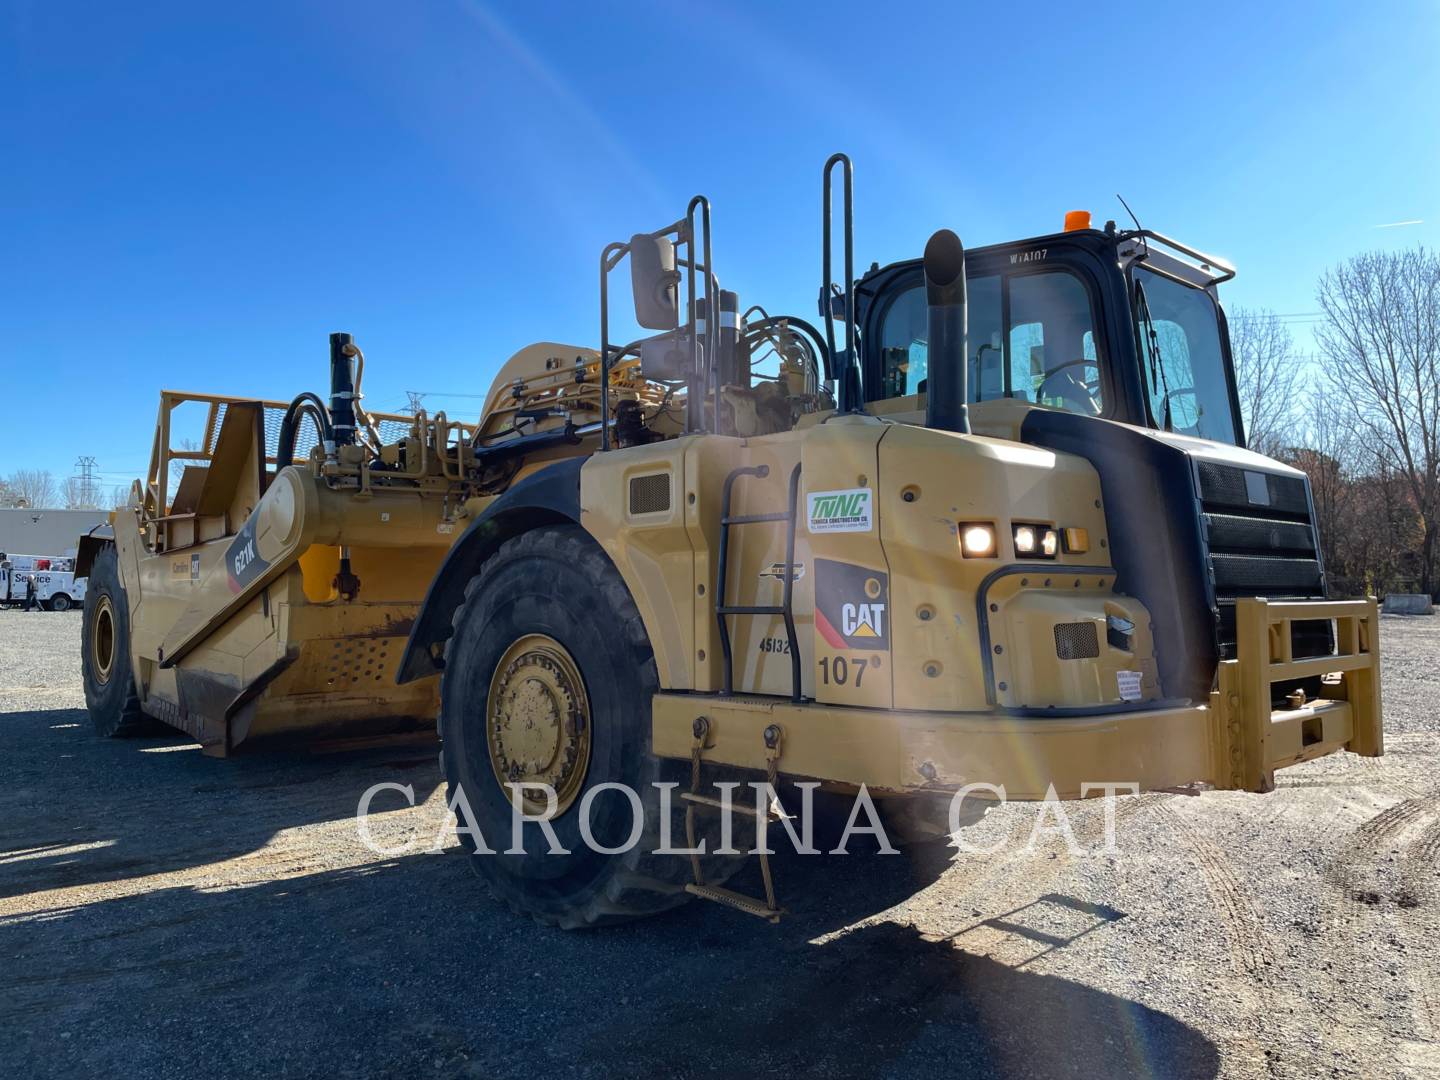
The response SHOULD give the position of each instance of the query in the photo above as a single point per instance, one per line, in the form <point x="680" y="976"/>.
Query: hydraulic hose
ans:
<point x="306" y="403"/>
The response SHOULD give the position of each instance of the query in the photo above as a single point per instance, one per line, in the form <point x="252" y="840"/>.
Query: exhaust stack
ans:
<point x="947" y="372"/>
<point x="342" y="389"/>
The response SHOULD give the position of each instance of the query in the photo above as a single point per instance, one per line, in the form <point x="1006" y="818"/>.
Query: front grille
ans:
<point x="1225" y="485"/>
<point x="1234" y="532"/>
<point x="1261" y="542"/>
<point x="1076" y="641"/>
<point x="1264" y="575"/>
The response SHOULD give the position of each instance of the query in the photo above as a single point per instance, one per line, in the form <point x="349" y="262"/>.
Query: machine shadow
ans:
<point x="825" y="892"/>
<point x="406" y="966"/>
<point x="883" y="1000"/>
<point x="145" y="806"/>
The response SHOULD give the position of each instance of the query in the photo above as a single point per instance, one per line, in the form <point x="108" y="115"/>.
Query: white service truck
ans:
<point x="56" y="588"/>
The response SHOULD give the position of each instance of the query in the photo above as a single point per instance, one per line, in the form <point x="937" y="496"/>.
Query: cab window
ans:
<point x="1044" y="352"/>
<point x="902" y="345"/>
<point x="1184" y="363"/>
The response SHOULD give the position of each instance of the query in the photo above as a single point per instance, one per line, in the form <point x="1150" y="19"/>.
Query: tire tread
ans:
<point x="126" y="717"/>
<point x="642" y="883"/>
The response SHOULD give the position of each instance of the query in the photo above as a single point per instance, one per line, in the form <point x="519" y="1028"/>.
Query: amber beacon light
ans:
<point x="1075" y="220"/>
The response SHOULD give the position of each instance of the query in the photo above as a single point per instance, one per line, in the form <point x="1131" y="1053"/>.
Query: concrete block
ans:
<point x="1407" y="604"/>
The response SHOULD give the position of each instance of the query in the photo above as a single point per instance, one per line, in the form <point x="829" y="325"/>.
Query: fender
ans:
<point x="550" y="496"/>
<point x="90" y="546"/>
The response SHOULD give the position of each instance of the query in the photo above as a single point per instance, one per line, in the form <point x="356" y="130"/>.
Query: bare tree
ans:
<point x="177" y="467"/>
<point x="120" y="495"/>
<point x="1267" y="372"/>
<point x="32" y="487"/>
<point x="1380" y="343"/>
<point x="1327" y="453"/>
<point x="78" y="494"/>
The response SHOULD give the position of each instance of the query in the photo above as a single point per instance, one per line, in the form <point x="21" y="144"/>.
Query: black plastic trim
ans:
<point x="1154" y="525"/>
<point x="1066" y="712"/>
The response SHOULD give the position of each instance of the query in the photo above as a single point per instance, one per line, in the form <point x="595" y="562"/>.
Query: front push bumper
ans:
<point x="1235" y="741"/>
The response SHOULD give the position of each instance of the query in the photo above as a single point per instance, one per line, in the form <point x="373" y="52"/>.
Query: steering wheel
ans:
<point x="1172" y="393"/>
<point x="1090" y="388"/>
<point x="1165" y="400"/>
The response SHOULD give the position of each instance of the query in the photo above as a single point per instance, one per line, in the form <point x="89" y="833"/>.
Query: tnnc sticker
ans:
<point x="840" y="511"/>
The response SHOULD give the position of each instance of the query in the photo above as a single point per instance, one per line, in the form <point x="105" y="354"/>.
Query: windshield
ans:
<point x="1031" y="337"/>
<point x="1183" y="361"/>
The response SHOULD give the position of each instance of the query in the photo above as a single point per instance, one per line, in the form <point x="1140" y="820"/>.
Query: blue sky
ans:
<point x="195" y="195"/>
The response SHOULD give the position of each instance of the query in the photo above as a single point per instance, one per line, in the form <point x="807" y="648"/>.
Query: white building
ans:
<point x="46" y="532"/>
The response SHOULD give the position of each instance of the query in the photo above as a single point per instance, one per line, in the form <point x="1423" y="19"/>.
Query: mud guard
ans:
<point x="550" y="496"/>
<point x="90" y="545"/>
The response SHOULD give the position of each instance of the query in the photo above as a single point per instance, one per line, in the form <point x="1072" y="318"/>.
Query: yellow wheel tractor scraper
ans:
<point x="995" y="524"/>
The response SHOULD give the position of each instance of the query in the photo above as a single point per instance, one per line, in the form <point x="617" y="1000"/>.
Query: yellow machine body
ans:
<point x="237" y="629"/>
<point x="903" y="595"/>
<point x="924" y="669"/>
<point x="954" y="676"/>
<point x="915" y="596"/>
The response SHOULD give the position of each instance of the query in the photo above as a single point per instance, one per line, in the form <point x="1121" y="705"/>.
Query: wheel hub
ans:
<point x="538" y="721"/>
<point x="102" y="639"/>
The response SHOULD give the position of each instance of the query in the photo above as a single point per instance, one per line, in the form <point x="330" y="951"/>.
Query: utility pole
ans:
<point x="88" y="496"/>
<point x="413" y="398"/>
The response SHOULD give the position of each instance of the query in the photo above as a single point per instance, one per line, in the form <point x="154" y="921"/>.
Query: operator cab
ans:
<point x="1124" y="326"/>
<point x="1112" y="345"/>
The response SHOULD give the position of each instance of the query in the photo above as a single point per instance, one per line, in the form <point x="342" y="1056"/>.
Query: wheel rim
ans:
<point x="102" y="640"/>
<point x="538" y="721"/>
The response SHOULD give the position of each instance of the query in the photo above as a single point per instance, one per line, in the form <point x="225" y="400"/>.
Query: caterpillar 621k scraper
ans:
<point x="994" y="524"/>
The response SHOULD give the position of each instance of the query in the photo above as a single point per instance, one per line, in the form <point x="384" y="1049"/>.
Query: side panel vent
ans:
<point x="1076" y="641"/>
<point x="650" y="494"/>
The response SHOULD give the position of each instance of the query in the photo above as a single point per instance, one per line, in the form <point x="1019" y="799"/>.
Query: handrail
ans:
<point x="1207" y="262"/>
<point x="157" y="477"/>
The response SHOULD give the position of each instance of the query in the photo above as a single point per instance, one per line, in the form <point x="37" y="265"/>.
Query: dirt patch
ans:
<point x="167" y="914"/>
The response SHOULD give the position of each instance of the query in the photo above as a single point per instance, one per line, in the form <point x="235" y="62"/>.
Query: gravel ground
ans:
<point x="166" y="914"/>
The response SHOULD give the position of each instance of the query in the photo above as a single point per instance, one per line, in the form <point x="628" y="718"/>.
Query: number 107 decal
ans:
<point x="840" y="670"/>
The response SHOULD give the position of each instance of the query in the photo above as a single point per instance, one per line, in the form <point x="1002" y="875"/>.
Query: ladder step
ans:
<point x="741" y="609"/>
<point x="739" y="901"/>
<point x="774" y="812"/>
<point x="711" y="801"/>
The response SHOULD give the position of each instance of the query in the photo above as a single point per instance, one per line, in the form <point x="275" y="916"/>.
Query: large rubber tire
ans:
<point x="109" y="691"/>
<point x="556" y="581"/>
<point x="59" y="602"/>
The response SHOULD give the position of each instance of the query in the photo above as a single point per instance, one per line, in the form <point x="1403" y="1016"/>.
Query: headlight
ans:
<point x="977" y="540"/>
<point x="1036" y="541"/>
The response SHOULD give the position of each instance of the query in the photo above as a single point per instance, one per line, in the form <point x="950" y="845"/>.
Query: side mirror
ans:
<point x="655" y="282"/>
